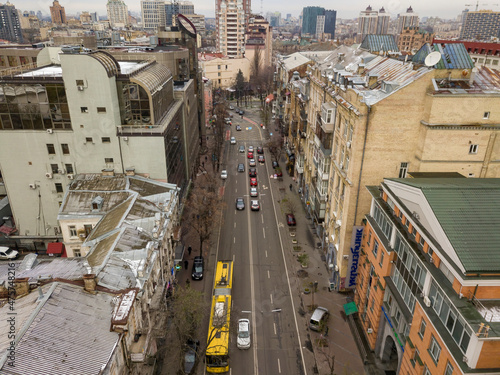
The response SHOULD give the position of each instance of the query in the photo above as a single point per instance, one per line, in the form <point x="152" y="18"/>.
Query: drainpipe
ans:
<point x="362" y="161"/>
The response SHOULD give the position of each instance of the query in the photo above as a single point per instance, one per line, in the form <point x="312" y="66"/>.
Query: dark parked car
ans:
<point x="260" y="150"/>
<point x="290" y="220"/>
<point x="190" y="355"/>
<point x="240" y="204"/>
<point x="252" y="172"/>
<point x="261" y="159"/>
<point x="238" y="128"/>
<point x="242" y="112"/>
<point x="275" y="164"/>
<point x="197" y="273"/>
<point x="241" y="167"/>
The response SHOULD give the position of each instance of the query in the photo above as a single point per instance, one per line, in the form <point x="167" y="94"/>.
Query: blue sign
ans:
<point x="352" y="271"/>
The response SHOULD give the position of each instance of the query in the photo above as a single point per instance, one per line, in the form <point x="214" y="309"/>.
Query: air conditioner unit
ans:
<point x="330" y="266"/>
<point x="81" y="88"/>
<point x="125" y="139"/>
<point x="348" y="144"/>
<point x="431" y="259"/>
<point x="369" y="330"/>
<point x="61" y="171"/>
<point x="33" y="186"/>
<point x="427" y="301"/>
<point x="50" y="131"/>
<point x="48" y="175"/>
<point x="70" y="176"/>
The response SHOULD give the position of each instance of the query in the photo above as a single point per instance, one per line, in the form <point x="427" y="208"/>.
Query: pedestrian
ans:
<point x="203" y="164"/>
<point x="186" y="263"/>
<point x="189" y="250"/>
<point x="291" y="187"/>
<point x="326" y="331"/>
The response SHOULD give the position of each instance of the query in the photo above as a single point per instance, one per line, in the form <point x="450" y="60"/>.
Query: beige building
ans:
<point x="360" y="118"/>
<point x="412" y="39"/>
<point x="230" y="28"/>
<point x="57" y="13"/>
<point x="85" y="17"/>
<point x="222" y="70"/>
<point x="117" y="13"/>
<point x="258" y="36"/>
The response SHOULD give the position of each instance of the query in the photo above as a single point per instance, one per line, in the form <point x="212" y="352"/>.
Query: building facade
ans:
<point x="480" y="25"/>
<point x="412" y="39"/>
<point x="309" y="15"/>
<point x="57" y="13"/>
<point x="231" y="20"/>
<point x="222" y="71"/>
<point x="336" y="133"/>
<point x="408" y="19"/>
<point x="178" y="7"/>
<point x="482" y="53"/>
<point x="93" y="113"/>
<point x="426" y="298"/>
<point x="117" y="13"/>
<point x="330" y="23"/>
<point x="153" y="14"/>
<point x="372" y="22"/>
<point x="10" y="24"/>
<point x="259" y="36"/>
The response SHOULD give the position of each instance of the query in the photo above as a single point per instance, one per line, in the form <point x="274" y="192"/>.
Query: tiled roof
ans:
<point x="453" y="56"/>
<point x="379" y="43"/>
<point x="69" y="334"/>
<point x="468" y="210"/>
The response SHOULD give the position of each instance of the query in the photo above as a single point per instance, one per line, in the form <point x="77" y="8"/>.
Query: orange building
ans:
<point x="412" y="39"/>
<point x="428" y="285"/>
<point x="57" y="13"/>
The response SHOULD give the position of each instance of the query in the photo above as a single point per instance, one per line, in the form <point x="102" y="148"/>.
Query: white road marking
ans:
<point x="271" y="296"/>
<point x="234" y="239"/>
<point x="268" y="274"/>
<point x="264" y="232"/>
<point x="235" y="224"/>
<point x="266" y="253"/>
<point x="274" y="324"/>
<point x="279" y="366"/>
<point x="262" y="217"/>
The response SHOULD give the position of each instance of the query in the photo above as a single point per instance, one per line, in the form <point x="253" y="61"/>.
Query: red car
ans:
<point x="250" y="155"/>
<point x="253" y="181"/>
<point x="290" y="220"/>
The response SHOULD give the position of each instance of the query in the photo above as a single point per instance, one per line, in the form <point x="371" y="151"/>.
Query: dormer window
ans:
<point x="97" y="203"/>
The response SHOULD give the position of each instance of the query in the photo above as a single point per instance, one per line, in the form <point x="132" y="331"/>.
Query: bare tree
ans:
<point x="275" y="146"/>
<point x="217" y="146"/>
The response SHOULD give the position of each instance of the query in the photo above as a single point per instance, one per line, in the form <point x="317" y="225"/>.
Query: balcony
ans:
<point x="325" y="139"/>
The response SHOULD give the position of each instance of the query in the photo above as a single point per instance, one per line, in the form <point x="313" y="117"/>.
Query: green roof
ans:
<point x="468" y="210"/>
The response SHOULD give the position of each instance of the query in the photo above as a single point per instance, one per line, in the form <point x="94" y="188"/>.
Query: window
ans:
<point x="372" y="305"/>
<point x="101" y="109"/>
<point x="55" y="168"/>
<point x="427" y="372"/>
<point x="421" y="241"/>
<point x="218" y="66"/>
<point x="473" y="149"/>
<point x="369" y="238"/>
<point x="486" y="115"/>
<point x="84" y="109"/>
<point x="77" y="253"/>
<point x="108" y="160"/>
<point x="69" y="168"/>
<point x="51" y="149"/>
<point x="88" y="140"/>
<point x="59" y="188"/>
<point x="434" y="350"/>
<point x="413" y="232"/>
<point x="381" y="263"/>
<point x="79" y="82"/>
<point x="65" y="148"/>
<point x="449" y="369"/>
<point x="421" y="330"/>
<point x="106" y="140"/>
<point x="403" y="170"/>
<point x="375" y="248"/>
<point x="72" y="231"/>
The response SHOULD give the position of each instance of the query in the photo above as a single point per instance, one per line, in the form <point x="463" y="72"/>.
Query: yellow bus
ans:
<point x="217" y="354"/>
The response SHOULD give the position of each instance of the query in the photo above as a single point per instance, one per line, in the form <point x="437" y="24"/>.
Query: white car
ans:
<point x="223" y="174"/>
<point x="233" y="140"/>
<point x="243" y="341"/>
<point x="6" y="253"/>
<point x="253" y="192"/>
<point x="250" y="148"/>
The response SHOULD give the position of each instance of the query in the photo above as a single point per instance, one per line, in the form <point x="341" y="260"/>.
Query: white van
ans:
<point x="318" y="319"/>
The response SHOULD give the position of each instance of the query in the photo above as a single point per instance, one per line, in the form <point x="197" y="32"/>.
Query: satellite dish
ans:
<point x="432" y="58"/>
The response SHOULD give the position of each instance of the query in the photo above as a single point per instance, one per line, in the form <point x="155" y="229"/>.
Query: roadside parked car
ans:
<point x="275" y="164"/>
<point x="290" y="220"/>
<point x="250" y="148"/>
<point x="198" y="265"/>
<point x="240" y="204"/>
<point x="190" y="355"/>
<point x="223" y="174"/>
<point x="260" y="150"/>
<point x="255" y="205"/>
<point x="6" y="253"/>
<point x="243" y="340"/>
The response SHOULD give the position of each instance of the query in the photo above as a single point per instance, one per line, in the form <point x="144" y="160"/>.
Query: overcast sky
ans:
<point x="447" y="9"/>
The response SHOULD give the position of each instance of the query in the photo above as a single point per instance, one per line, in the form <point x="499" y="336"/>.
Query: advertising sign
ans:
<point x="352" y="270"/>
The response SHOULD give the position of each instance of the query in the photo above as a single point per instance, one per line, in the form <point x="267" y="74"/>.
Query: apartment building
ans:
<point x="372" y="22"/>
<point x="221" y="70"/>
<point x="86" y="114"/>
<point x="365" y="117"/>
<point x="10" y="23"/>
<point x="412" y="39"/>
<point x="407" y="19"/>
<point x="153" y="14"/>
<point x="231" y="20"/>
<point x="259" y="36"/>
<point x="57" y="13"/>
<point x="482" y="25"/>
<point x="117" y="13"/>
<point x="428" y="286"/>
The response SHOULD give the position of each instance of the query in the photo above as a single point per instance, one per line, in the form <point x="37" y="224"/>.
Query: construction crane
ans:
<point x="477" y="5"/>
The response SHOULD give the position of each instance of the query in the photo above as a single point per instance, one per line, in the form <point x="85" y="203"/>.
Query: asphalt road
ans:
<point x="261" y="289"/>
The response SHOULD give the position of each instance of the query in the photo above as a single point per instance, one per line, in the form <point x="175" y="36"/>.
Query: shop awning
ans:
<point x="55" y="248"/>
<point x="269" y="98"/>
<point x="350" y="308"/>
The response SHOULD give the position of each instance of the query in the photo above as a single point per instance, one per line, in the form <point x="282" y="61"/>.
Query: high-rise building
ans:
<point x="10" y="25"/>
<point x="480" y="25"/>
<point x="309" y="19"/>
<point x="330" y="22"/>
<point x="259" y="37"/>
<point x="39" y="15"/>
<point x="94" y="16"/>
<point x="179" y="7"/>
<point x="407" y="19"/>
<point x="153" y="14"/>
<point x="320" y="26"/>
<point x="57" y="13"/>
<point x="372" y="22"/>
<point x="117" y="13"/>
<point x="85" y="17"/>
<point x="231" y="22"/>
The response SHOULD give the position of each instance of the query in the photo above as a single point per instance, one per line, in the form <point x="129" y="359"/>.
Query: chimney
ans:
<point x="372" y="80"/>
<point x="21" y="286"/>
<point x="108" y="172"/>
<point x="89" y="282"/>
<point x="130" y="171"/>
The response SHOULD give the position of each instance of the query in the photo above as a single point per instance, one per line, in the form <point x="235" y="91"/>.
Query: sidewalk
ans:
<point x="338" y="348"/>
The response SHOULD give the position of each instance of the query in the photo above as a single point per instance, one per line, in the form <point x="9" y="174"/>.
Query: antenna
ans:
<point x="432" y="59"/>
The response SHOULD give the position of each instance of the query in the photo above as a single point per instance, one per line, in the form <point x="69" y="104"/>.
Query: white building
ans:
<point x="117" y="13"/>
<point x="231" y="28"/>
<point x="153" y="14"/>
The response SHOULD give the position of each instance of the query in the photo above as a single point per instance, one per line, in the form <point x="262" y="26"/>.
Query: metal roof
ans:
<point x="295" y="60"/>
<point x="453" y="56"/>
<point x="379" y="43"/>
<point x="63" y="268"/>
<point x="69" y="334"/>
<point x="468" y="210"/>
